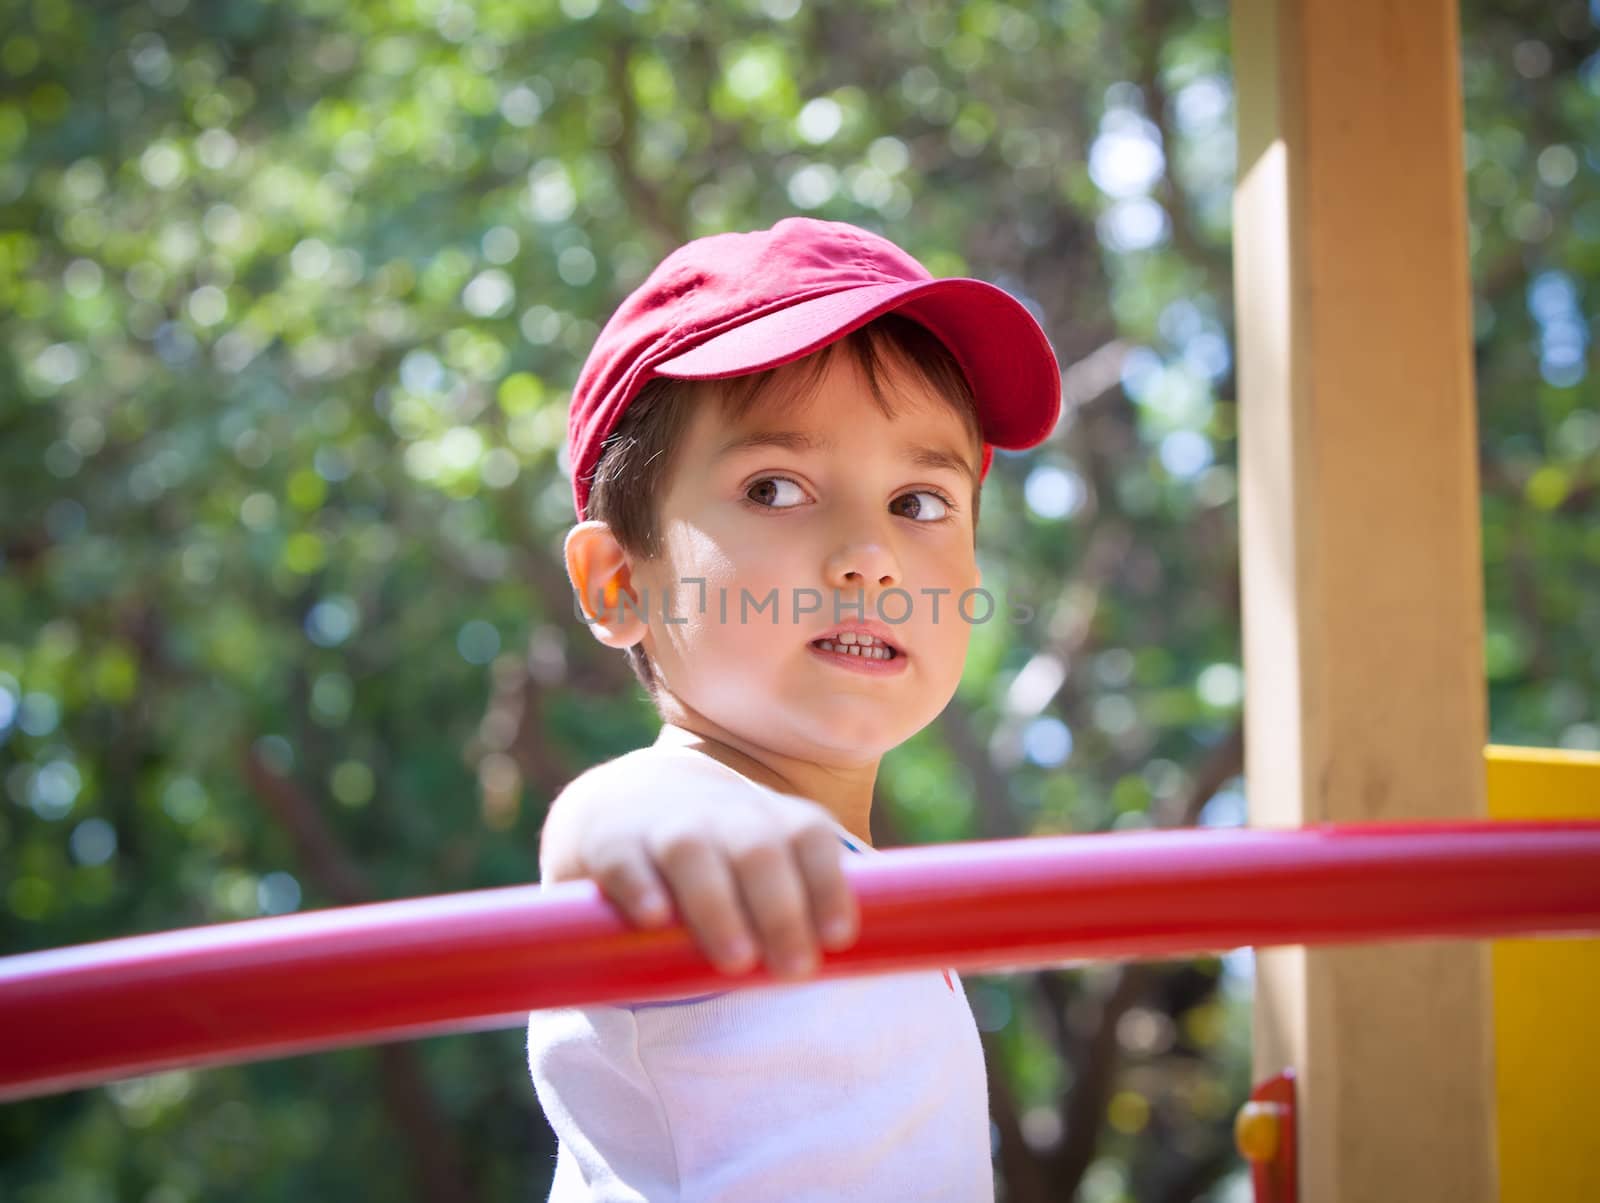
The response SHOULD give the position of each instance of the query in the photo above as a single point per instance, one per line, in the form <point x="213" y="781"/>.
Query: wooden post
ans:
<point x="1363" y="611"/>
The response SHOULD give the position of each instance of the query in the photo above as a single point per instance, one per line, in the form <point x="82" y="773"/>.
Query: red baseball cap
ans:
<point x="731" y="304"/>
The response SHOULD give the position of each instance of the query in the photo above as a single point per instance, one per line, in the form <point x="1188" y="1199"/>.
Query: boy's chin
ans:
<point x="838" y="735"/>
<point x="862" y="727"/>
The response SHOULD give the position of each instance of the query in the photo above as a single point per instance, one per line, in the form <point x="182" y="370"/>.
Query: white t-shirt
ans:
<point x="866" y="1088"/>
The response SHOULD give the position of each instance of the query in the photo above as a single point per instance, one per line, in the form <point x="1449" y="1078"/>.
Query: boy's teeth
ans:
<point x="863" y="649"/>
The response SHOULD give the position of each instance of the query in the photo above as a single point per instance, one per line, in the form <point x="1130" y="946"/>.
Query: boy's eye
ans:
<point x="775" y="492"/>
<point x="930" y="509"/>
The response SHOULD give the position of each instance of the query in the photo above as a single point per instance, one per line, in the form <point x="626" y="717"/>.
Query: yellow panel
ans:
<point x="1546" y="998"/>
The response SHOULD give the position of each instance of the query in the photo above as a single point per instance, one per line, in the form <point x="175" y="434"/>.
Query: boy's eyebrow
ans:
<point x="798" y="440"/>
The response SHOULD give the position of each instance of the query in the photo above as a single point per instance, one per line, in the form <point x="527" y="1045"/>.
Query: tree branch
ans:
<point x="1094" y="1074"/>
<point x="1187" y="240"/>
<point x="995" y="819"/>
<point x="440" y="1173"/>
<point x="643" y="200"/>
<point x="1019" y="1166"/>
<point x="314" y="843"/>
<point x="1096" y="1061"/>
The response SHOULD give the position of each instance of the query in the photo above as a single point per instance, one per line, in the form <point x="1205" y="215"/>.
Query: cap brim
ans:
<point x="1001" y="348"/>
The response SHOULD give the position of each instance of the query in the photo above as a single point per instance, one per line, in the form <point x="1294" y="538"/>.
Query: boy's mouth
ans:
<point x="856" y="646"/>
<point x="863" y="647"/>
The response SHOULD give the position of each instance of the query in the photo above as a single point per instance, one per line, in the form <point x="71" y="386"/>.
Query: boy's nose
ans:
<point x="862" y="564"/>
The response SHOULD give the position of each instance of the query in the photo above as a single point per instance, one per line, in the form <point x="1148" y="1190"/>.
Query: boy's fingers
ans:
<point x="708" y="900"/>
<point x="769" y="881"/>
<point x="628" y="880"/>
<point x="833" y="904"/>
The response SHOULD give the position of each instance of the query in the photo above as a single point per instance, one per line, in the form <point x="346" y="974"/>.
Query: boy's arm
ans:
<point x="752" y="873"/>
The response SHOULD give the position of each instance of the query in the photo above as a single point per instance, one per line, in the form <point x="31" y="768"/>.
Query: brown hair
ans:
<point x="637" y="458"/>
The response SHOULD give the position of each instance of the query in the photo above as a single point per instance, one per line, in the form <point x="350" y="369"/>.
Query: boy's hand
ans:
<point x="753" y="874"/>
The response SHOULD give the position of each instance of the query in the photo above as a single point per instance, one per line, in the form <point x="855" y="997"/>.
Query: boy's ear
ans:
<point x="602" y="576"/>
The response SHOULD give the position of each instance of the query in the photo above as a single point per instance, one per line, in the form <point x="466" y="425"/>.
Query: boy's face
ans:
<point x="849" y="501"/>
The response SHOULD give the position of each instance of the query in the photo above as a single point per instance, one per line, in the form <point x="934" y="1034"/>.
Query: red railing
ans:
<point x="259" y="988"/>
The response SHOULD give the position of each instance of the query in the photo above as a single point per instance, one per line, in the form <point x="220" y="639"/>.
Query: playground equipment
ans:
<point x="296" y="983"/>
<point x="266" y="987"/>
<point x="1363" y="624"/>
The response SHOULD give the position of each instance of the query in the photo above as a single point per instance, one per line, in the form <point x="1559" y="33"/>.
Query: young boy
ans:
<point x="777" y="446"/>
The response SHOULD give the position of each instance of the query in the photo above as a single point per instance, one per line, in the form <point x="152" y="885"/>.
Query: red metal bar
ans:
<point x="78" y="1016"/>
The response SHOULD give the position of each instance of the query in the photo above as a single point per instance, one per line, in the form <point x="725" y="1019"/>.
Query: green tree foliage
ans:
<point x="292" y="294"/>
